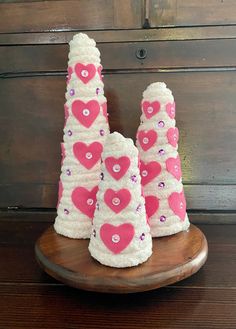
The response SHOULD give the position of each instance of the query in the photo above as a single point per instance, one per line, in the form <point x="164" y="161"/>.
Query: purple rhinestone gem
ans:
<point x="97" y="91"/>
<point x="134" y="178"/>
<point x="163" y="218"/>
<point x="142" y="236"/>
<point x="66" y="211"/>
<point x="72" y="92"/>
<point x="102" y="132"/>
<point x="69" y="132"/>
<point x="161" y="185"/>
<point x="161" y="124"/>
<point x="94" y="233"/>
<point x="68" y="172"/>
<point x="101" y="176"/>
<point x="138" y="209"/>
<point x="161" y="152"/>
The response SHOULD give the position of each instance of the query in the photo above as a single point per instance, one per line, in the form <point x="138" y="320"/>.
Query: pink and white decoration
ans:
<point x="157" y="141"/>
<point x="86" y="128"/>
<point x="120" y="235"/>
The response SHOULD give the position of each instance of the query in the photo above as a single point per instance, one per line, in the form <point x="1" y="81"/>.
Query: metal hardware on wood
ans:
<point x="141" y="53"/>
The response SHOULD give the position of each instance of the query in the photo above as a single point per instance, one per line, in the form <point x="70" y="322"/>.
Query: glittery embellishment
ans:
<point x="144" y="173"/>
<point x="84" y="73"/>
<point x="116" y="201"/>
<point x="97" y="90"/>
<point x="115" y="238"/>
<point x="68" y="172"/>
<point x="66" y="211"/>
<point x="161" y="185"/>
<point x="161" y="152"/>
<point x="163" y="218"/>
<point x="142" y="236"/>
<point x="90" y="202"/>
<point x="139" y="208"/>
<point x="102" y="132"/>
<point x="116" y="168"/>
<point x="101" y="176"/>
<point x="94" y="233"/>
<point x="88" y="155"/>
<point x="161" y="124"/>
<point x="145" y="140"/>
<point x="72" y="92"/>
<point x="86" y="112"/>
<point x="69" y="132"/>
<point x="134" y="178"/>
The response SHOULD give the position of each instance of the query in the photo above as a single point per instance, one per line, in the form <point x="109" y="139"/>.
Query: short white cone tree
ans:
<point x="157" y="141"/>
<point x="121" y="235"/>
<point x="85" y="131"/>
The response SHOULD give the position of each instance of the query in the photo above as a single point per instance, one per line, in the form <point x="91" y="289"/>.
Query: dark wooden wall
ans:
<point x="191" y="45"/>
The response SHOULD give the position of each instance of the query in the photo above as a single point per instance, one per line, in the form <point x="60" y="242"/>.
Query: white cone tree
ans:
<point x="86" y="128"/>
<point x="157" y="141"/>
<point x="120" y="236"/>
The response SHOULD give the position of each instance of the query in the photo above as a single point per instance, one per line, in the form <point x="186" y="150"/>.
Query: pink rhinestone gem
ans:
<point x="161" y="185"/>
<point x="115" y="238"/>
<point x="161" y="152"/>
<point x="163" y="218"/>
<point x="72" y="92"/>
<point x="116" y="201"/>
<point x="84" y="73"/>
<point x="90" y="202"/>
<point x="161" y="124"/>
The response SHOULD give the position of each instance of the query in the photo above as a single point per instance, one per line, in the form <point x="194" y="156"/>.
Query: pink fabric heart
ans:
<point x="88" y="155"/>
<point x="100" y="72"/>
<point x="150" y="109"/>
<point x="173" y="136"/>
<point x="170" y="109"/>
<point x="149" y="171"/>
<point x="117" y="238"/>
<point x="117" y="200"/>
<point x="173" y="166"/>
<point x="85" y="72"/>
<point x="69" y="73"/>
<point x="117" y="167"/>
<point x="85" y="200"/>
<point x="104" y="111"/>
<point x="151" y="204"/>
<point x="86" y="113"/>
<point x="60" y="191"/>
<point x="177" y="203"/>
<point x="147" y="139"/>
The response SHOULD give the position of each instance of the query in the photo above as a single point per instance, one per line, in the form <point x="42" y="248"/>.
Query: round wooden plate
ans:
<point x="174" y="258"/>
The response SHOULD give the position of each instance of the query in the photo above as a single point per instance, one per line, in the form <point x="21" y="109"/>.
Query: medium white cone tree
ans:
<point x="157" y="141"/>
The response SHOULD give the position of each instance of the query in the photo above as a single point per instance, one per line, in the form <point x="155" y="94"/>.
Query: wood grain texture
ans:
<point x="110" y="36"/>
<point x="59" y="307"/>
<point x="122" y="56"/>
<point x="17" y="257"/>
<point x="31" y="299"/>
<point x="70" y="15"/>
<point x="174" y="259"/>
<point x="32" y="132"/>
<point x="191" y="12"/>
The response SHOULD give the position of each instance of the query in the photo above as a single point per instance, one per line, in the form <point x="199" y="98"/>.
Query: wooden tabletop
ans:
<point x="29" y="298"/>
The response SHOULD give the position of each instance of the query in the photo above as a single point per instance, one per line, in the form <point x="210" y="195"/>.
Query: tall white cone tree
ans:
<point x="121" y="235"/>
<point x="85" y="131"/>
<point x="157" y="141"/>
